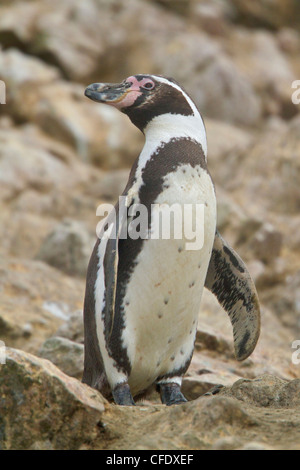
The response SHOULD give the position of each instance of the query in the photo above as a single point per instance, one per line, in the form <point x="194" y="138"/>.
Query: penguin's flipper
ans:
<point x="229" y="280"/>
<point x="105" y="254"/>
<point x="115" y="223"/>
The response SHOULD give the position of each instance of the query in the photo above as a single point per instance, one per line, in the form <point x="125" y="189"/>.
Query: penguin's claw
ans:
<point x="170" y="394"/>
<point x="122" y="395"/>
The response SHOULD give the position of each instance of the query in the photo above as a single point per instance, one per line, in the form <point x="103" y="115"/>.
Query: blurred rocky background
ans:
<point x="62" y="155"/>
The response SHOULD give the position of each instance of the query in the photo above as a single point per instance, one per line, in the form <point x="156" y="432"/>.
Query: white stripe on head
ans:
<point x="164" y="127"/>
<point x="174" y="85"/>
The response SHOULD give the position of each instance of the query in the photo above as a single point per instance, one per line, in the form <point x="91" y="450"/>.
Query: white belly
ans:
<point x="164" y="292"/>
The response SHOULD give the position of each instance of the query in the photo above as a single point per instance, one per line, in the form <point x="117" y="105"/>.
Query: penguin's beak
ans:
<point x="110" y="93"/>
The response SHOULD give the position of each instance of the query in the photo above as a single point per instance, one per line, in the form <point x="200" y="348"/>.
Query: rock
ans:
<point x="257" y="270"/>
<point x="68" y="248"/>
<point x="70" y="415"/>
<point x="235" y="88"/>
<point x="260" y="239"/>
<point x="200" y="57"/>
<point x="35" y="300"/>
<point x="207" y="338"/>
<point x="211" y="17"/>
<point x="65" y="354"/>
<point x="23" y="233"/>
<point x="62" y="155"/>
<point x="224" y="410"/>
<point x="49" y="168"/>
<point x="40" y="170"/>
<point x="42" y="31"/>
<point x="44" y="408"/>
<point x="270" y="14"/>
<point x="288" y="40"/>
<point x="292" y="235"/>
<point x="268" y="276"/>
<point x="230" y="216"/>
<point x="76" y="26"/>
<point x="62" y="111"/>
<point x="177" y="5"/>
<point x="225" y="142"/>
<point x="111" y="185"/>
<point x="247" y="230"/>
<point x="226" y="443"/>
<point x="285" y="301"/>
<point x="195" y="386"/>
<point x="268" y="391"/>
<point x="273" y="177"/>
<point x="48" y="185"/>
<point x="98" y="134"/>
<point x="18" y="69"/>
<point x="267" y="243"/>
<point x="72" y="329"/>
<point x="267" y="68"/>
<point x="205" y="64"/>
<point x="17" y="36"/>
<point x="255" y="446"/>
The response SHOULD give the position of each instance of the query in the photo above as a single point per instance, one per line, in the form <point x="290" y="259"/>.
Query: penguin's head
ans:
<point x="143" y="97"/>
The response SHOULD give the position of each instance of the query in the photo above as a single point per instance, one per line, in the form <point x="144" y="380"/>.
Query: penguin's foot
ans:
<point x="122" y="395"/>
<point x="170" y="394"/>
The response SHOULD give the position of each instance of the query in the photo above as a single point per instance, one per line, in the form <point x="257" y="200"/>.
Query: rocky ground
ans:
<point x="61" y="155"/>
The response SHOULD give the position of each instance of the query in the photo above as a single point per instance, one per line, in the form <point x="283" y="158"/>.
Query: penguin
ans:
<point x="143" y="294"/>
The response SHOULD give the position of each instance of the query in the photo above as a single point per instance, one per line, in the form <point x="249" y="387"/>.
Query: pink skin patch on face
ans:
<point x="131" y="93"/>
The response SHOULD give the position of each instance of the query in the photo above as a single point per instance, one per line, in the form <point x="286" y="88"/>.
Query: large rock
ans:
<point x="210" y="16"/>
<point x="207" y="73"/>
<point x="267" y="68"/>
<point x="285" y="299"/>
<point x="267" y="243"/>
<point x="65" y="354"/>
<point x="36" y="93"/>
<point x="68" y="247"/>
<point x="108" y="53"/>
<point x="274" y="170"/>
<point x="40" y="170"/>
<point x="43" y="26"/>
<point x="72" y="329"/>
<point x="268" y="391"/>
<point x="45" y="409"/>
<point x="41" y="182"/>
<point x="271" y="13"/>
<point x="35" y="301"/>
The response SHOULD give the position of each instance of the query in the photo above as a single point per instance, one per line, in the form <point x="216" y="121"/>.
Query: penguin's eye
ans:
<point x="148" y="85"/>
